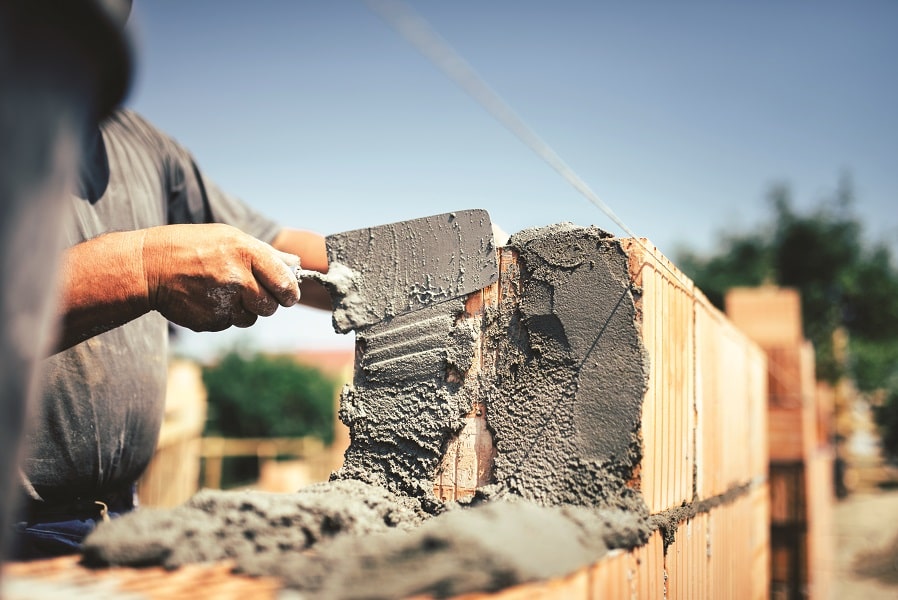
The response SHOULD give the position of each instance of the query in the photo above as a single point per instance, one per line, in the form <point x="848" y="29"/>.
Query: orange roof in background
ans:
<point x="333" y="362"/>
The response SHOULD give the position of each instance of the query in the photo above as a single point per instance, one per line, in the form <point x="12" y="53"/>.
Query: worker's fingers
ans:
<point x="291" y="260"/>
<point x="243" y="318"/>
<point x="210" y="277"/>
<point x="276" y="276"/>
<point x="259" y="301"/>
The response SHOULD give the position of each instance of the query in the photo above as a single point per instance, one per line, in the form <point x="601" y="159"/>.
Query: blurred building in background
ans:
<point x="801" y="448"/>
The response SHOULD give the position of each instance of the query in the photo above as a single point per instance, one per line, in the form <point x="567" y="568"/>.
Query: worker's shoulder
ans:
<point x="128" y="127"/>
<point x="127" y="122"/>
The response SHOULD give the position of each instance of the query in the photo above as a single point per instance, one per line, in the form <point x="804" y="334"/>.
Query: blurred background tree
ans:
<point x="254" y="395"/>
<point x="264" y="396"/>
<point x="845" y="282"/>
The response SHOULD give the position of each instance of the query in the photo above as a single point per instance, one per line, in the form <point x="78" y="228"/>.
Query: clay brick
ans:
<point x="792" y="388"/>
<point x="650" y="568"/>
<point x="825" y="405"/>
<point x="668" y="414"/>
<point x="820" y="521"/>
<point x="731" y="399"/>
<point x="786" y="439"/>
<point x="468" y="460"/>
<point x="770" y="316"/>
<point x="788" y="504"/>
<point x="799" y="428"/>
<point x="611" y="576"/>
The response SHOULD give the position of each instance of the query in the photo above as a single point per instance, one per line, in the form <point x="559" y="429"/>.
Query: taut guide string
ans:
<point x="418" y="32"/>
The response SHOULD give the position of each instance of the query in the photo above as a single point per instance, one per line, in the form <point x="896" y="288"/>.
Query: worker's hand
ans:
<point x="209" y="277"/>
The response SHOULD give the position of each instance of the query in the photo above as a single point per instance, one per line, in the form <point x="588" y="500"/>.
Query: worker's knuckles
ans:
<point x="260" y="303"/>
<point x="229" y="278"/>
<point x="286" y="292"/>
<point x="244" y="319"/>
<point x="251" y="263"/>
<point x="277" y="278"/>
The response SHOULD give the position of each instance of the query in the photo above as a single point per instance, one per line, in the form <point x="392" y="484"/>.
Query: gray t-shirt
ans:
<point x="104" y="398"/>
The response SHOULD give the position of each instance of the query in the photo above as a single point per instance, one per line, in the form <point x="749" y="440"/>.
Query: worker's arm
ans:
<point x="310" y="248"/>
<point x="204" y="277"/>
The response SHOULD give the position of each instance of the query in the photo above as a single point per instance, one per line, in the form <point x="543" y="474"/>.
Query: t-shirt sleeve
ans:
<point x="194" y="198"/>
<point x="224" y="208"/>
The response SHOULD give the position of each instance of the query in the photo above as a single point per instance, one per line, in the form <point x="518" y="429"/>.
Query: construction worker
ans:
<point x="63" y="65"/>
<point x="152" y="241"/>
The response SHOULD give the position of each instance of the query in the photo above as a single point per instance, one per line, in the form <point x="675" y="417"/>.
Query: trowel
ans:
<point x="377" y="273"/>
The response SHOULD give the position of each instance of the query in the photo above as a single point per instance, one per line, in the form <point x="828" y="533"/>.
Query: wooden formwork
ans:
<point x="801" y="494"/>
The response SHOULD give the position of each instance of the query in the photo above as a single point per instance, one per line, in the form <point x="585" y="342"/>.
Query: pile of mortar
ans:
<point x="562" y="387"/>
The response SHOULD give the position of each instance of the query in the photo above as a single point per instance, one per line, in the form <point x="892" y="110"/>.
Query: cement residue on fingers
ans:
<point x="216" y="525"/>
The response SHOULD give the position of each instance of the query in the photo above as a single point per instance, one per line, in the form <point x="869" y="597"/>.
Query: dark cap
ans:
<point x="84" y="36"/>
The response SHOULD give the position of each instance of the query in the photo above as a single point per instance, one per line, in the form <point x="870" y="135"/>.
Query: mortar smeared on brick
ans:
<point x="563" y="403"/>
<point x="401" y="409"/>
<point x="566" y="400"/>
<point x="484" y="549"/>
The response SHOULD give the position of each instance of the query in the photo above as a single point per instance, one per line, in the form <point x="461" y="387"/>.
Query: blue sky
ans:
<point x="678" y="115"/>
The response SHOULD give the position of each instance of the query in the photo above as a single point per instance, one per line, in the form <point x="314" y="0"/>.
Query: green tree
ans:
<point x="262" y="396"/>
<point x="844" y="281"/>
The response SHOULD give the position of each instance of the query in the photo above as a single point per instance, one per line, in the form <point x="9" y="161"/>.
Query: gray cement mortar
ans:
<point x="486" y="548"/>
<point x="401" y="410"/>
<point x="563" y="405"/>
<point x="216" y="525"/>
<point x="566" y="401"/>
<point x="380" y="272"/>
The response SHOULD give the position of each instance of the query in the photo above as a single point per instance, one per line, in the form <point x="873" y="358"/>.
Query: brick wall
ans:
<point x="801" y="458"/>
<point x="704" y="458"/>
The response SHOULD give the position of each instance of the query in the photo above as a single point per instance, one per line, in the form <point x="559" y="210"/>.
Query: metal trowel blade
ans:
<point x="380" y="272"/>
